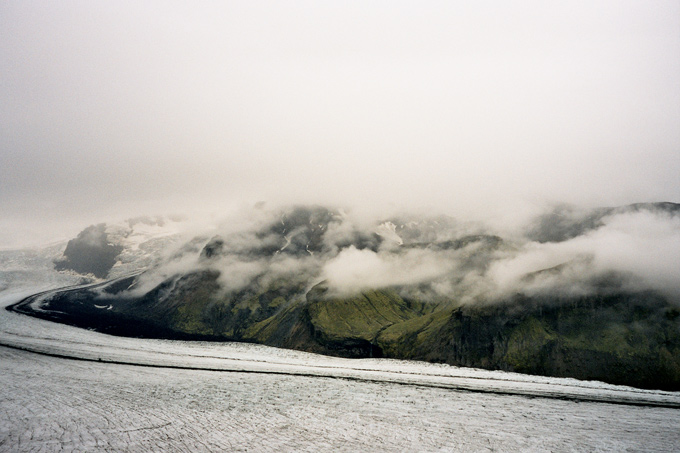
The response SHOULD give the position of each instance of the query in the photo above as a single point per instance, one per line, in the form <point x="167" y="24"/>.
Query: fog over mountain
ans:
<point x="629" y="248"/>
<point x="490" y="112"/>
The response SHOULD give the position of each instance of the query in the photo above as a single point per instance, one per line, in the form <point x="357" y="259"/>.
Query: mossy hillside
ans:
<point x="620" y="339"/>
<point x="669" y="365"/>
<point x="634" y="344"/>
<point x="278" y="328"/>
<point x="527" y="343"/>
<point x="413" y="338"/>
<point x="361" y="316"/>
<point x="197" y="305"/>
<point x="178" y="303"/>
<point x="189" y="318"/>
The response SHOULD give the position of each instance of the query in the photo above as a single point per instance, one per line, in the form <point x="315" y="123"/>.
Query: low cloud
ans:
<point x="637" y="250"/>
<point x="429" y="258"/>
<point x="355" y="269"/>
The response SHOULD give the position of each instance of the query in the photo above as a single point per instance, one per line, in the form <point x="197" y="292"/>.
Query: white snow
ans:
<point x="288" y="241"/>
<point x="388" y="230"/>
<point x="143" y="243"/>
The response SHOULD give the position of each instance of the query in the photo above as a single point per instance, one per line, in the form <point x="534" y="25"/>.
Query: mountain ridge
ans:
<point x="277" y="284"/>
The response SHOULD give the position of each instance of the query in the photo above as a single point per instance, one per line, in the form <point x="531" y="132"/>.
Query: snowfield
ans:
<point x="65" y="388"/>
<point x="51" y="404"/>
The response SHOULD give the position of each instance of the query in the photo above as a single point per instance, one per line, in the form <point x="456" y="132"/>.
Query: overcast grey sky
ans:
<point x="115" y="109"/>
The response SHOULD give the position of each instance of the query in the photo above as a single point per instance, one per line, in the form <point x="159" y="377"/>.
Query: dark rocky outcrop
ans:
<point x="90" y="253"/>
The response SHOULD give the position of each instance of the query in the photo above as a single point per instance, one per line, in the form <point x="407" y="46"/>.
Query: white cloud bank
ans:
<point x="628" y="251"/>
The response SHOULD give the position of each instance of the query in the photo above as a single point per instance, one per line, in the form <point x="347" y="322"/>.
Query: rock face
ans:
<point x="611" y="333"/>
<point x="625" y="338"/>
<point x="90" y="253"/>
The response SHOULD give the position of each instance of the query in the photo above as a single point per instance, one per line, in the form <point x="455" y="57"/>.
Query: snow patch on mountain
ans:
<point x="388" y="230"/>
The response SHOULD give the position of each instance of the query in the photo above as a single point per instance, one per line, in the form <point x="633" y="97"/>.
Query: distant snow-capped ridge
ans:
<point x="114" y="249"/>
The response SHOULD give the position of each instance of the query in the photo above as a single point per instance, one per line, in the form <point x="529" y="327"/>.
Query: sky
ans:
<point x="116" y="109"/>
